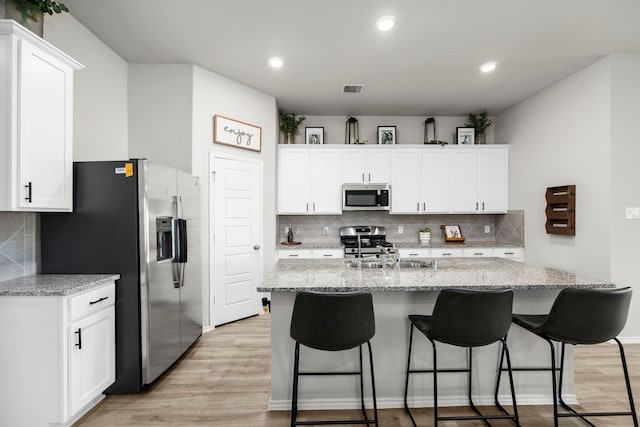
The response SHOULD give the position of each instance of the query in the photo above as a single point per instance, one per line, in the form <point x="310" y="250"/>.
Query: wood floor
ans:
<point x="224" y="380"/>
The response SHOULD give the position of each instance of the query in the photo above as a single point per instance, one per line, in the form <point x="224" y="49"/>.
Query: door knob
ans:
<point x="256" y="247"/>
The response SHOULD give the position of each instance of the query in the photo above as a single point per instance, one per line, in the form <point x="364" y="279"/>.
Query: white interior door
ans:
<point x="237" y="240"/>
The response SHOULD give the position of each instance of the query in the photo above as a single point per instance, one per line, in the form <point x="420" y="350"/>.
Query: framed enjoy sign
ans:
<point x="236" y="133"/>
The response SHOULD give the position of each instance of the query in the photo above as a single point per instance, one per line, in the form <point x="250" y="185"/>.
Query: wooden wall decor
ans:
<point x="561" y="210"/>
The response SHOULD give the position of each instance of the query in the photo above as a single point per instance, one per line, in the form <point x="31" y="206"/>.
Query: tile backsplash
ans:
<point x="502" y="228"/>
<point x="17" y="244"/>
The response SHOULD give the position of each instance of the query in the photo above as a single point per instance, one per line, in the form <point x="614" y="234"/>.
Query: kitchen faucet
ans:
<point x="394" y="258"/>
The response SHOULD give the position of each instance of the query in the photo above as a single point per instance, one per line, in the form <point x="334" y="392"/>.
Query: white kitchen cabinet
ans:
<point x="477" y="252"/>
<point x="479" y="179"/>
<point x="61" y="357"/>
<point x="420" y="181"/>
<point x="446" y="252"/>
<point x="514" y="253"/>
<point x="365" y="165"/>
<point x="294" y="253"/>
<point x="414" y="252"/>
<point x="327" y="253"/>
<point x="309" y="181"/>
<point x="36" y="114"/>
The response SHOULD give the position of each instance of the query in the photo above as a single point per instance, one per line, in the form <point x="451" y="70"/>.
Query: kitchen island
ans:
<point x="396" y="294"/>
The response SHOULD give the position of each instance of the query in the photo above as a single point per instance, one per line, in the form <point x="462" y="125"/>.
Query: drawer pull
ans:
<point x="509" y="253"/>
<point x="327" y="255"/>
<point x="98" y="300"/>
<point x="478" y="253"/>
<point x="447" y="254"/>
<point x="293" y="255"/>
<point x="79" y="343"/>
<point x="413" y="254"/>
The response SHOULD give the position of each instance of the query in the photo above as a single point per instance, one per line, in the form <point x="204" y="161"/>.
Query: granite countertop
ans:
<point x="433" y="244"/>
<point x="54" y="284"/>
<point x="332" y="275"/>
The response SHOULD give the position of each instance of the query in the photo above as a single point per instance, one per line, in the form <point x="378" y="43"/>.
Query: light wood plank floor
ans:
<point x="224" y="380"/>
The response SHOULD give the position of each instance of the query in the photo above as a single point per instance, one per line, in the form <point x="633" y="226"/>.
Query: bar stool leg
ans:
<point x="364" y="412"/>
<point x="435" y="384"/>
<point x="554" y="383"/>
<point x="626" y="379"/>
<point x="406" y="384"/>
<point x="294" y="394"/>
<point x="373" y="385"/>
<point x="505" y="350"/>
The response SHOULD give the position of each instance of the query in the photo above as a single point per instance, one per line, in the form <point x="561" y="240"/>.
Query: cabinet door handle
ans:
<point x="483" y="206"/>
<point x="79" y="343"/>
<point x="476" y="206"/>
<point x="369" y="176"/>
<point x="314" y="206"/>
<point x="98" y="300"/>
<point x="29" y="188"/>
<point x="307" y="206"/>
<point x="362" y="176"/>
<point x="418" y="206"/>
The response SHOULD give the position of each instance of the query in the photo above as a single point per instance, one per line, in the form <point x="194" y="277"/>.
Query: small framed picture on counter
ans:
<point x="314" y="135"/>
<point x="452" y="233"/>
<point x="465" y="135"/>
<point x="386" y="135"/>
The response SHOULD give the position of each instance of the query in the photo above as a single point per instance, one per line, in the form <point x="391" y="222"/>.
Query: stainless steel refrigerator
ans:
<point x="142" y="221"/>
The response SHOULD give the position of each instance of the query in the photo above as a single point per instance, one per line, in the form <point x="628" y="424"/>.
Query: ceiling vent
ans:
<point x="352" y="88"/>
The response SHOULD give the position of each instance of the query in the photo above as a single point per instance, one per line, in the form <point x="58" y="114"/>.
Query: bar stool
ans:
<point x="465" y="318"/>
<point x="580" y="316"/>
<point x="333" y="322"/>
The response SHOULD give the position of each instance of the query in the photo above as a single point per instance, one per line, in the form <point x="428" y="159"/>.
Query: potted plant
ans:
<point x="424" y="235"/>
<point x="480" y="122"/>
<point x="29" y="13"/>
<point x="289" y="123"/>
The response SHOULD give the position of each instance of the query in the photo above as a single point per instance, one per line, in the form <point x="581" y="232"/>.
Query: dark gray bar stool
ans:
<point x="580" y="316"/>
<point x="465" y="318"/>
<point x="333" y="322"/>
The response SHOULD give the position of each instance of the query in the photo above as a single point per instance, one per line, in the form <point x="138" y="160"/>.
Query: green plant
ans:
<point x="480" y="122"/>
<point x="425" y="230"/>
<point x="289" y="122"/>
<point x="29" y="8"/>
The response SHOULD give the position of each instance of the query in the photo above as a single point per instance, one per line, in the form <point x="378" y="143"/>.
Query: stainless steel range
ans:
<point x="365" y="240"/>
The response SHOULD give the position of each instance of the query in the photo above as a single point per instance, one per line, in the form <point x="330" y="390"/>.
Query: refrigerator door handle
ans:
<point x="180" y="256"/>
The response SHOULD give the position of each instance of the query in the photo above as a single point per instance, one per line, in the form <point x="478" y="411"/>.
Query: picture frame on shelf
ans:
<point x="314" y="135"/>
<point x="386" y="135"/>
<point x="452" y="233"/>
<point x="465" y="135"/>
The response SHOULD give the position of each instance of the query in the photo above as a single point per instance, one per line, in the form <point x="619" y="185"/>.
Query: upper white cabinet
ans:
<point x="420" y="181"/>
<point x="36" y="114"/>
<point x="365" y="165"/>
<point x="309" y="180"/>
<point x="479" y="179"/>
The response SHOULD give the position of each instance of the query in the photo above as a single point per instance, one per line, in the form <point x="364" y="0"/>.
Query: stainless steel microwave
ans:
<point x="365" y="197"/>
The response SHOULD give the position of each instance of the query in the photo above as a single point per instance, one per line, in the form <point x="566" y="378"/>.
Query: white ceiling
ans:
<point x="427" y="65"/>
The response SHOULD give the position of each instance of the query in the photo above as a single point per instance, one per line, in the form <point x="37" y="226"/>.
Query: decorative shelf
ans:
<point x="561" y="210"/>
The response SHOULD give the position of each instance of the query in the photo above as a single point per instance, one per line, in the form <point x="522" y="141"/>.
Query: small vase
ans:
<point x="8" y="11"/>
<point x="289" y="138"/>
<point x="425" y="238"/>
<point x="481" y="139"/>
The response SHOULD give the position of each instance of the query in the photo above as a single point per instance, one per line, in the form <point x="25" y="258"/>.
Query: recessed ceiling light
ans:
<point x="276" y="62"/>
<point x="386" y="23"/>
<point x="488" y="67"/>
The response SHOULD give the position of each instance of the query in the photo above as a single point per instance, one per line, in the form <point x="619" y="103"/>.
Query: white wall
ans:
<point x="625" y="179"/>
<point x="409" y="129"/>
<point x="160" y="104"/>
<point x="581" y="131"/>
<point x="100" y="91"/>
<point x="214" y="94"/>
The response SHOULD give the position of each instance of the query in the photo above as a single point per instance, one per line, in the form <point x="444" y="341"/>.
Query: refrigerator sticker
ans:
<point x="120" y="171"/>
<point x="128" y="167"/>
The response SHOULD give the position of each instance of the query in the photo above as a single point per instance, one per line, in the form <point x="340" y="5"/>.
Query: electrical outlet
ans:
<point x="400" y="229"/>
<point x="632" y="213"/>
<point x="325" y="231"/>
<point x="487" y="229"/>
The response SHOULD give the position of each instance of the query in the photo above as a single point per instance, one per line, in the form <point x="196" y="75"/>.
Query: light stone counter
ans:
<point x="395" y="296"/>
<point x="54" y="284"/>
<point x="479" y="273"/>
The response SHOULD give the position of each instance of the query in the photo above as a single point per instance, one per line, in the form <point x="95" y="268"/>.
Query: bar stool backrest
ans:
<point x="587" y="316"/>
<point x="332" y="321"/>
<point x="471" y="318"/>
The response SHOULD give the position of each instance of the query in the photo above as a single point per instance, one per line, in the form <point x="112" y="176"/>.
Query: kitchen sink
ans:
<point x="378" y="264"/>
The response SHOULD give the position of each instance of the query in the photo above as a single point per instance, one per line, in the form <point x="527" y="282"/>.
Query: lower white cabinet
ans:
<point x="514" y="253"/>
<point x="58" y="356"/>
<point x="446" y="252"/>
<point x="477" y="252"/>
<point x="414" y="252"/>
<point x="310" y="253"/>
